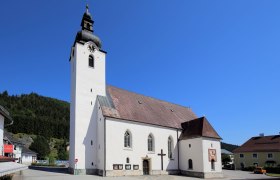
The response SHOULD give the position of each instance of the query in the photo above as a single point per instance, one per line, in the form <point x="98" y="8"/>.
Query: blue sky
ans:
<point x="221" y="58"/>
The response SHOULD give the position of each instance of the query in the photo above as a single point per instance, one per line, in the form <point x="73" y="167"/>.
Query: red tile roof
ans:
<point x="135" y="107"/>
<point x="260" y="144"/>
<point x="199" y="127"/>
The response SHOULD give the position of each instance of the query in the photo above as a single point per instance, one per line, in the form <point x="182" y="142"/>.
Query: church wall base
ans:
<point x="84" y="171"/>
<point x="139" y="172"/>
<point x="205" y="175"/>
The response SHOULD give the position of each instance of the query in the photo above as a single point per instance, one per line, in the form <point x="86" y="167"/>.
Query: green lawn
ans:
<point x="273" y="175"/>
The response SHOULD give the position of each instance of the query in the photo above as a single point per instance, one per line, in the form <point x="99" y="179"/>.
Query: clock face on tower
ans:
<point x="91" y="47"/>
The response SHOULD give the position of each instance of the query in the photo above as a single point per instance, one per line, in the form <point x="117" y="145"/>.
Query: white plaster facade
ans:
<point x="86" y="83"/>
<point x="116" y="153"/>
<point x="196" y="149"/>
<point x="1" y="134"/>
<point x="27" y="159"/>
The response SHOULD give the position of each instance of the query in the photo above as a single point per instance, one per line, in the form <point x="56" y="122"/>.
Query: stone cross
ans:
<point x="161" y="154"/>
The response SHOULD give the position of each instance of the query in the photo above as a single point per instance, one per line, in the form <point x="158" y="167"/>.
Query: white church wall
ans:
<point x="100" y="140"/>
<point x="211" y="144"/>
<point x="72" y="109"/>
<point x="116" y="153"/>
<point x="191" y="149"/>
<point x="86" y="83"/>
<point x="1" y="134"/>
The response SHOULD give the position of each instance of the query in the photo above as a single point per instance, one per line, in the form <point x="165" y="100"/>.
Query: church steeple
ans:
<point x="86" y="34"/>
<point x="87" y="22"/>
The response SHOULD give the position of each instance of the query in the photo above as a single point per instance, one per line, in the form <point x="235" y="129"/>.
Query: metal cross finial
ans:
<point x="87" y="8"/>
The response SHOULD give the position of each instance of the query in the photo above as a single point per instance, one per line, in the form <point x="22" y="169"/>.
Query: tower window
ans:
<point x="91" y="61"/>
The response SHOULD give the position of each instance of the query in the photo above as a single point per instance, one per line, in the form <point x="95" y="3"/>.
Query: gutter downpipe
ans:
<point x="104" y="173"/>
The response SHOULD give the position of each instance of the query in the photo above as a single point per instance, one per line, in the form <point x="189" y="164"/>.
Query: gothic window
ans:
<point x="91" y="61"/>
<point x="127" y="139"/>
<point x="170" y="147"/>
<point x="212" y="165"/>
<point x="150" y="142"/>
<point x="190" y="164"/>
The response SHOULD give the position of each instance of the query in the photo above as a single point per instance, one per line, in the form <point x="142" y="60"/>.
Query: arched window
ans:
<point x="127" y="160"/>
<point x="170" y="147"/>
<point x="190" y="164"/>
<point x="212" y="165"/>
<point x="150" y="143"/>
<point x="127" y="139"/>
<point x="91" y="61"/>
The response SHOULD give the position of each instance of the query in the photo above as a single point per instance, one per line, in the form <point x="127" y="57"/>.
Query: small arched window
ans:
<point x="170" y="147"/>
<point x="91" y="61"/>
<point x="127" y="139"/>
<point x="190" y="164"/>
<point x="127" y="160"/>
<point x="150" y="143"/>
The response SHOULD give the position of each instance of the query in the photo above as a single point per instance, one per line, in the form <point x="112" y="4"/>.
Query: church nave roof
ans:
<point x="123" y="104"/>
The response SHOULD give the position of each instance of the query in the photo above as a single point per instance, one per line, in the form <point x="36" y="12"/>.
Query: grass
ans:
<point x="273" y="175"/>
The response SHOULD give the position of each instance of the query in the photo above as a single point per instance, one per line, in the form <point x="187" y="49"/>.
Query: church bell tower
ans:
<point x="87" y="62"/>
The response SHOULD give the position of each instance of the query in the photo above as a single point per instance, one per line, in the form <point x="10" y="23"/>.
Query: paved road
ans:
<point x="52" y="174"/>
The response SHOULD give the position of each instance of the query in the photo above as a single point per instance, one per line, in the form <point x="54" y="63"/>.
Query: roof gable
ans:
<point x="6" y="114"/>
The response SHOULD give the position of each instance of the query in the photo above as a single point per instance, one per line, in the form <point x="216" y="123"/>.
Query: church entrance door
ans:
<point x="146" y="168"/>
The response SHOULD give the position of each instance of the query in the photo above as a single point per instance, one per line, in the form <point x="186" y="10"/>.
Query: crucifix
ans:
<point x="161" y="154"/>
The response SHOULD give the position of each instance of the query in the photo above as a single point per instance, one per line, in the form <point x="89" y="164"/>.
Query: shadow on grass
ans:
<point x="62" y="170"/>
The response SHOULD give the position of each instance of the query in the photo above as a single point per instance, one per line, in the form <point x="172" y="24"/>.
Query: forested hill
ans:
<point x="229" y="147"/>
<point x="35" y="114"/>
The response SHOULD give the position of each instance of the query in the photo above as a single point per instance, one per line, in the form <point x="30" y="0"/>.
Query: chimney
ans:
<point x="261" y="134"/>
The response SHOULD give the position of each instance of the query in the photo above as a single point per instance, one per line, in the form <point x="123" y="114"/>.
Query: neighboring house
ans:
<point x="230" y="154"/>
<point x="7" y="164"/>
<point x="28" y="156"/>
<point x="12" y="146"/>
<point x="115" y="132"/>
<point x="258" y="151"/>
<point x="5" y="118"/>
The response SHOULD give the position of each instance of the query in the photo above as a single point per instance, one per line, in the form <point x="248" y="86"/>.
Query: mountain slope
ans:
<point x="35" y="114"/>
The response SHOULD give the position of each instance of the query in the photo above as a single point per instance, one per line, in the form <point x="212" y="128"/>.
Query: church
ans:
<point x="115" y="132"/>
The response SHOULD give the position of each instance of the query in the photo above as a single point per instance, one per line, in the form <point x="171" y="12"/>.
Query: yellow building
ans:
<point x="258" y="151"/>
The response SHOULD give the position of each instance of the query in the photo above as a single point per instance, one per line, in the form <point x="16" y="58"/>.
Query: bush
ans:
<point x="275" y="170"/>
<point x="7" y="177"/>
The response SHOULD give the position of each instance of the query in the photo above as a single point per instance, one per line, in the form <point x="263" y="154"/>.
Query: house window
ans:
<point x="91" y="61"/>
<point x="241" y="155"/>
<point x="170" y="147"/>
<point x="150" y="142"/>
<point x="127" y="139"/>
<point x="212" y="165"/>
<point x="190" y="164"/>
<point x="255" y="155"/>
<point x="269" y="155"/>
